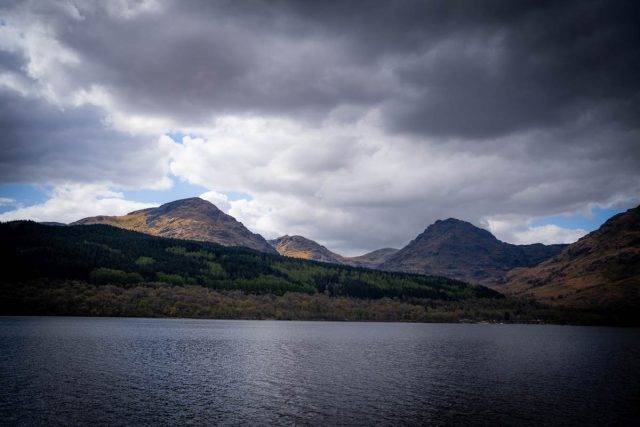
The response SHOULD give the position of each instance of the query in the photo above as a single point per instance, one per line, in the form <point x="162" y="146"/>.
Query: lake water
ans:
<point x="153" y="371"/>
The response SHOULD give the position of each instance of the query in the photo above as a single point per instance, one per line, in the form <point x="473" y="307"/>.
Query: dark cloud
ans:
<point x="194" y="66"/>
<point x="440" y="68"/>
<point x="549" y="67"/>
<point x="42" y="143"/>
<point x="11" y="61"/>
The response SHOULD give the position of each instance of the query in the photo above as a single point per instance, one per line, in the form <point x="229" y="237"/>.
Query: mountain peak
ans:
<point x="452" y="222"/>
<point x="460" y="250"/>
<point x="191" y="202"/>
<point x="455" y="229"/>
<point x="294" y="237"/>
<point x="192" y="218"/>
<point x="194" y="201"/>
<point x="301" y="247"/>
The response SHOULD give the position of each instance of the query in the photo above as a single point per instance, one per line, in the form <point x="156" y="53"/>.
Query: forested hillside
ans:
<point x="107" y="271"/>
<point x="101" y="254"/>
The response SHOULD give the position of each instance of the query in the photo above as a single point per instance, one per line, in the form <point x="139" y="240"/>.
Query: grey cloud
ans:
<point x="45" y="143"/>
<point x="11" y="62"/>
<point x="542" y="96"/>
<point x="193" y="66"/>
<point x="440" y="68"/>
<point x="546" y="68"/>
<point x="42" y="143"/>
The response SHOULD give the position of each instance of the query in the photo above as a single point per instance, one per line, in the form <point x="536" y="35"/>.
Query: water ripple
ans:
<point x="76" y="371"/>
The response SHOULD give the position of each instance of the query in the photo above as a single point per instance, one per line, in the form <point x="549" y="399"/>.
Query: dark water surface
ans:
<point x="170" y="372"/>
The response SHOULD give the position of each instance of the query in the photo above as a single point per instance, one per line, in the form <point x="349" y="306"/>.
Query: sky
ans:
<point x="353" y="123"/>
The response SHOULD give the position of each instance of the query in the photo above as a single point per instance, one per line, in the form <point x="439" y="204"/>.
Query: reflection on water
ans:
<point x="152" y="371"/>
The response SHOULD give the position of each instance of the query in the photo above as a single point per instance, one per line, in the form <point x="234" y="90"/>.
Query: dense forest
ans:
<point x="106" y="271"/>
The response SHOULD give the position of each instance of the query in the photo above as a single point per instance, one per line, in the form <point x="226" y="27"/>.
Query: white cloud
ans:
<point x="220" y="200"/>
<point x="15" y="82"/>
<point x="72" y="202"/>
<point x="353" y="187"/>
<point x="518" y="230"/>
<point x="258" y="216"/>
<point x="5" y="201"/>
<point x="128" y="9"/>
<point x="548" y="234"/>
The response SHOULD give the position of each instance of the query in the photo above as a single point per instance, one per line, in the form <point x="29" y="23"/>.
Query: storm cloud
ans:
<point x="336" y="118"/>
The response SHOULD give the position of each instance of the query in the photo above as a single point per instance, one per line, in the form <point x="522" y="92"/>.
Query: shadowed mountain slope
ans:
<point x="458" y="249"/>
<point x="371" y="259"/>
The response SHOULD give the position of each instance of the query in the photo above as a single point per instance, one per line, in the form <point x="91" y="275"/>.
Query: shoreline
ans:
<point x="475" y="323"/>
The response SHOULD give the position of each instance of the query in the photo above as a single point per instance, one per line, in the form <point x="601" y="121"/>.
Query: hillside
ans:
<point x="105" y="254"/>
<point x="100" y="270"/>
<point x="600" y="269"/>
<point x="450" y="248"/>
<point x="192" y="219"/>
<point x="460" y="250"/>
<point x="303" y="248"/>
<point x="371" y="259"/>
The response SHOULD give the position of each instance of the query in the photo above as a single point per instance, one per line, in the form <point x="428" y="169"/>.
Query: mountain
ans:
<point x="371" y="259"/>
<point x="449" y="248"/>
<point x="191" y="219"/>
<point x="301" y="247"/>
<point x="601" y="269"/>
<point x="458" y="249"/>
<point x="104" y="255"/>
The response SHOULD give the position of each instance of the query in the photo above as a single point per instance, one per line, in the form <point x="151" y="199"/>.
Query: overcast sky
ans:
<point x="356" y="124"/>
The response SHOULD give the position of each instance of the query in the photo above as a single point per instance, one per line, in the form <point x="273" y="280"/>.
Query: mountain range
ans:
<point x="460" y="250"/>
<point x="602" y="267"/>
<point x="449" y="248"/>
<point x="301" y="247"/>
